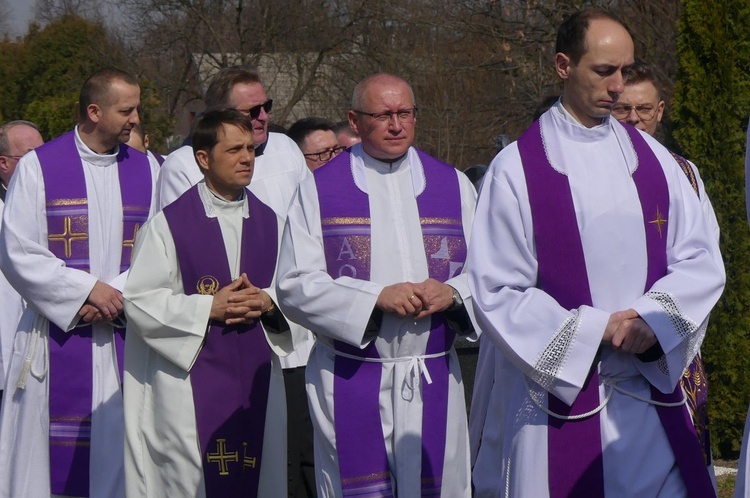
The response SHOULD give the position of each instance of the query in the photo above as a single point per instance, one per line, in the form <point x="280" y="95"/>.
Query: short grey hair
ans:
<point x="4" y="129"/>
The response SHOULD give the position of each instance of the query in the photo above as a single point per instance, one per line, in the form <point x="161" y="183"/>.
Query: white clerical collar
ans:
<point x="572" y="129"/>
<point x="212" y="201"/>
<point x="559" y="133"/>
<point x="92" y="157"/>
<point x="361" y="162"/>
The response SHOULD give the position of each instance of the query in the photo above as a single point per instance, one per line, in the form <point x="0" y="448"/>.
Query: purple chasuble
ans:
<point x="574" y="446"/>
<point x="345" y="220"/>
<point x="231" y="376"/>
<point x="70" y="361"/>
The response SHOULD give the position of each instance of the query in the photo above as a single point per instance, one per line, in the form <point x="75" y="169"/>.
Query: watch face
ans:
<point x="457" y="301"/>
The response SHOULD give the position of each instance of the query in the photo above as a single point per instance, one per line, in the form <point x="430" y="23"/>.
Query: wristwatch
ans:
<point x="457" y="301"/>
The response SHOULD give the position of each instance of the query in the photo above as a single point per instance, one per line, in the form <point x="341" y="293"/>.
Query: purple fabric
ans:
<point x="232" y="374"/>
<point x="575" y="447"/>
<point x="653" y="192"/>
<point x="71" y="370"/>
<point x="345" y="218"/>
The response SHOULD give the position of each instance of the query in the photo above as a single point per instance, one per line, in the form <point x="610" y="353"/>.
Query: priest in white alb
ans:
<point x="372" y="262"/>
<point x="593" y="272"/>
<point x="74" y="207"/>
<point x="204" y="392"/>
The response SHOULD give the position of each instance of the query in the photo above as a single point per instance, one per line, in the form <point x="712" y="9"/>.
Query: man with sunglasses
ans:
<point x="279" y="165"/>
<point x="372" y="261"/>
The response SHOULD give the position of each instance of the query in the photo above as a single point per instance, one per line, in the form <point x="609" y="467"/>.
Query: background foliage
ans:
<point x="710" y="109"/>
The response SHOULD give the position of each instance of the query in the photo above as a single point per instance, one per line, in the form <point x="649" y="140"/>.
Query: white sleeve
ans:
<point x="47" y="285"/>
<point x="178" y="173"/>
<point x="169" y="321"/>
<point x="337" y="308"/>
<point x="553" y="346"/>
<point x="677" y="305"/>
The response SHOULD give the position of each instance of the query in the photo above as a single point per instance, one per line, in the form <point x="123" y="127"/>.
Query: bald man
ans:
<point x="372" y="262"/>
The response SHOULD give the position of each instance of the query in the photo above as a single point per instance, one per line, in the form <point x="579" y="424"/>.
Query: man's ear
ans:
<point x="94" y="113"/>
<point x="562" y="65"/>
<point x="659" y="111"/>
<point x="353" y="121"/>
<point x="202" y="157"/>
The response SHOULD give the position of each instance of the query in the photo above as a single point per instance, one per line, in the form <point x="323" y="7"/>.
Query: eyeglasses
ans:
<point x="254" y="111"/>
<point x="13" y="157"/>
<point x="646" y="112"/>
<point x="325" y="155"/>
<point x="404" y="115"/>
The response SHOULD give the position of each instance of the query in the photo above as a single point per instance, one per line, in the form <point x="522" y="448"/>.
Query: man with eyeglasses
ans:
<point x="372" y="261"/>
<point x="593" y="273"/>
<point x="640" y="104"/>
<point x="16" y="139"/>
<point x="317" y="140"/>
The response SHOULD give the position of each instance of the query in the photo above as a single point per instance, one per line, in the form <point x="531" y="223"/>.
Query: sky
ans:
<point x="21" y="12"/>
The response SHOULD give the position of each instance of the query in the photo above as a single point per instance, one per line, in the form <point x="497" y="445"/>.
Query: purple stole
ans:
<point x="345" y="220"/>
<point x="70" y="361"/>
<point x="231" y="376"/>
<point x="574" y="447"/>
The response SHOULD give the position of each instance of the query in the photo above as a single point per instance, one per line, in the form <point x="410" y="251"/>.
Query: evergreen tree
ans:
<point x="710" y="110"/>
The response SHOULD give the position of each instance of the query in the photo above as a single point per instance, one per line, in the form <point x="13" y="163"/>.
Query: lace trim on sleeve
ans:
<point x="691" y="332"/>
<point x="552" y="359"/>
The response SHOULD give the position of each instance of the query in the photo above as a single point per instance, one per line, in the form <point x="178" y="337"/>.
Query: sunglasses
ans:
<point x="254" y="112"/>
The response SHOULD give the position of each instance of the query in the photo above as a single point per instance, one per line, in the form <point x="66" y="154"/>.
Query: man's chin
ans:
<point x="259" y="137"/>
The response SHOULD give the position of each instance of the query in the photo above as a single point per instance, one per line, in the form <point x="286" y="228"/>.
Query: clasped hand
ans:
<point x="626" y="331"/>
<point x="418" y="300"/>
<point x="103" y="304"/>
<point x="239" y="302"/>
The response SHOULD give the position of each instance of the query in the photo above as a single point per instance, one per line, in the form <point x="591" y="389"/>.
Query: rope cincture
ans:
<point x="610" y="386"/>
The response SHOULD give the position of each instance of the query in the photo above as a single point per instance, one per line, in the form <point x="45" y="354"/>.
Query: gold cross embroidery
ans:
<point x="222" y="457"/>
<point x="246" y="460"/>
<point x="67" y="237"/>
<point x="659" y="221"/>
<point x="131" y="242"/>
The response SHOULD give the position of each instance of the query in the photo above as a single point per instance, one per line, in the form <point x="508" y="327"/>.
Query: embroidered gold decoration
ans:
<point x="343" y="220"/>
<point x="208" y="285"/>
<point x="68" y="236"/>
<point x="247" y="461"/>
<point x="131" y="242"/>
<point x="68" y="202"/>
<point x="222" y="457"/>
<point x="377" y="476"/>
<point x="658" y="221"/>
<point x="440" y="221"/>
<point x="695" y="382"/>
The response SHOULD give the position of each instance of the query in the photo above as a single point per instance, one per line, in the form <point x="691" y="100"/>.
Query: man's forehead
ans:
<point x="607" y="35"/>
<point x="231" y="133"/>
<point x="121" y="93"/>
<point x="640" y="92"/>
<point x="245" y="95"/>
